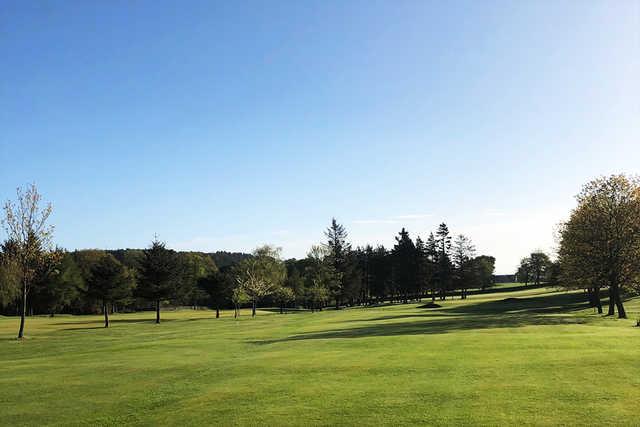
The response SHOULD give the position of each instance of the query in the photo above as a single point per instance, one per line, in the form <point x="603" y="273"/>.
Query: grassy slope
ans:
<point x="541" y="358"/>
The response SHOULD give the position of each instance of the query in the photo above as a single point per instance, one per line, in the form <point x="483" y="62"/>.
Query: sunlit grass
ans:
<point x="533" y="357"/>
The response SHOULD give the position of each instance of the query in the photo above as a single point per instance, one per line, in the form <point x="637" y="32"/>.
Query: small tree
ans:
<point x="25" y="222"/>
<point x="217" y="285"/>
<point x="283" y="296"/>
<point x="261" y="275"/>
<point x="109" y="281"/>
<point x="524" y="271"/>
<point x="539" y="264"/>
<point x="160" y="275"/>
<point x="238" y="297"/>
<point x="484" y="266"/>
<point x="320" y="275"/>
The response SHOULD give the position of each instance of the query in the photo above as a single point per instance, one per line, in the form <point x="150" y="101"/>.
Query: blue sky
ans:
<point x="227" y="125"/>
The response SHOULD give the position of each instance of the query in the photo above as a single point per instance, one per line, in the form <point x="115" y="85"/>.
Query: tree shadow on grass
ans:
<point x="553" y="309"/>
<point x="99" y="324"/>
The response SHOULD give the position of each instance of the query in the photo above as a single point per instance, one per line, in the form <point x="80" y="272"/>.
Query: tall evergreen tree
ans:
<point x="431" y="249"/>
<point x="108" y="282"/>
<point x="404" y="265"/>
<point x="380" y="269"/>
<point x="444" y="267"/>
<point x="160" y="275"/>
<point x="422" y="267"/>
<point x="339" y="250"/>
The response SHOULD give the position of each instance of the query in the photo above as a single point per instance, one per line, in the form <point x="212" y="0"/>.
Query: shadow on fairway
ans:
<point x="99" y="324"/>
<point x="507" y="313"/>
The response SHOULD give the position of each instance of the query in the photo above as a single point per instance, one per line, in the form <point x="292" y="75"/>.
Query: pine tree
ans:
<point x="109" y="281"/>
<point x="339" y="250"/>
<point x="404" y="265"/>
<point x="160" y="275"/>
<point x="431" y="249"/>
<point x="443" y="244"/>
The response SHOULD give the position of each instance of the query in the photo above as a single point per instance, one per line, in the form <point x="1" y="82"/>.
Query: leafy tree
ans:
<point x="217" y="285"/>
<point x="539" y="262"/>
<point x="321" y="276"/>
<point x="295" y="279"/>
<point x="25" y="222"/>
<point x="552" y="273"/>
<point x="523" y="275"/>
<point x="600" y="244"/>
<point x="484" y="267"/>
<point x="462" y="255"/>
<point x="262" y="274"/>
<point x="194" y="266"/>
<point x="9" y="274"/>
<point x="160" y="275"/>
<point x="62" y="286"/>
<point x="381" y="272"/>
<point x="283" y="296"/>
<point x="109" y="281"/>
<point x="238" y="297"/>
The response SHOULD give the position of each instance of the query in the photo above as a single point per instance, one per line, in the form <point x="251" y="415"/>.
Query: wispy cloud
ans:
<point x="414" y="216"/>
<point x="394" y="219"/>
<point x="375" y="221"/>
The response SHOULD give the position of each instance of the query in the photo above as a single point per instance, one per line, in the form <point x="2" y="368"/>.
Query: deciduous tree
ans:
<point x="26" y="224"/>
<point x="602" y="237"/>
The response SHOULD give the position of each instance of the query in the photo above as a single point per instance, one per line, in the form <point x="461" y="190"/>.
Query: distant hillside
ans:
<point x="224" y="258"/>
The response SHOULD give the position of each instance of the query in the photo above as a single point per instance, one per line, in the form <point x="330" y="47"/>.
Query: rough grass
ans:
<point x="527" y="357"/>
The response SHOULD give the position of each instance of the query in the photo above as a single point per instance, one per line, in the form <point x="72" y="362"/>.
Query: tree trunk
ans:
<point x="217" y="312"/>
<point x="612" y="299"/>
<point x="253" y="309"/>
<point x="596" y="299"/>
<point x="281" y="308"/>
<point x="106" y="314"/>
<point x="23" y="311"/>
<point x="157" y="311"/>
<point x="622" y="314"/>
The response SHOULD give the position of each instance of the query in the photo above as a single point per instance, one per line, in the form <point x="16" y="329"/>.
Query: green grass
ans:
<point x="527" y="357"/>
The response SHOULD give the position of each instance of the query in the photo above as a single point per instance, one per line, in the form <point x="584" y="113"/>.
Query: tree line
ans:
<point x="36" y="278"/>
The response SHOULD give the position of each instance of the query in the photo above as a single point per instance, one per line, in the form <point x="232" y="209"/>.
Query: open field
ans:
<point x="531" y="356"/>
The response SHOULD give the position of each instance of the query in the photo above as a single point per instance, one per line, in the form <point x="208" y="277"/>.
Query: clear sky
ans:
<point x="224" y="125"/>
